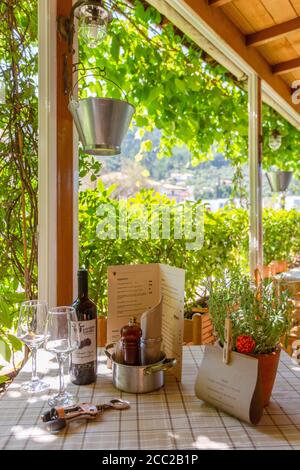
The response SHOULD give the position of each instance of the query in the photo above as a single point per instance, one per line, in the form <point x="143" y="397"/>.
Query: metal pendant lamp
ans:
<point x="101" y="123"/>
<point x="279" y="180"/>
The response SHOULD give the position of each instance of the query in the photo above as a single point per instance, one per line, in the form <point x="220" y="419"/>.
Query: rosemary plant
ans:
<point x="263" y="313"/>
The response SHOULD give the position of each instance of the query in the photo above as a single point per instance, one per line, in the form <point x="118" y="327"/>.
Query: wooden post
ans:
<point x="65" y="173"/>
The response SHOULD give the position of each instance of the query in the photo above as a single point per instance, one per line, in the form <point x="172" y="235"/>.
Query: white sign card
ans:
<point x="132" y="289"/>
<point x="233" y="387"/>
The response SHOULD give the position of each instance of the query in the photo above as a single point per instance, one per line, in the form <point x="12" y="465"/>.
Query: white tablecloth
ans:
<point x="171" y="418"/>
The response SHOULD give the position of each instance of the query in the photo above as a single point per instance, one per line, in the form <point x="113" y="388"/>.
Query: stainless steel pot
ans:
<point x="139" y="379"/>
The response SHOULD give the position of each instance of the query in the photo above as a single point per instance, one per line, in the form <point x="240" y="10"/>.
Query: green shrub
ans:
<point x="281" y="234"/>
<point x="226" y="242"/>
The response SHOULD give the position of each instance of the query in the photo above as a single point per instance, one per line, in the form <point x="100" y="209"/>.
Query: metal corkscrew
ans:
<point x="57" y="418"/>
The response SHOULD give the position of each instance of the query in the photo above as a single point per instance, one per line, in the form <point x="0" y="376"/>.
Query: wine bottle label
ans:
<point x="87" y="347"/>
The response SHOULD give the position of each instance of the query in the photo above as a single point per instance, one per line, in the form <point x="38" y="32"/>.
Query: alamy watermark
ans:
<point x="152" y="222"/>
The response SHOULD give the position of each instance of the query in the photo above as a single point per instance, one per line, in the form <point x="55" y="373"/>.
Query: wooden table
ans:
<point x="171" y="418"/>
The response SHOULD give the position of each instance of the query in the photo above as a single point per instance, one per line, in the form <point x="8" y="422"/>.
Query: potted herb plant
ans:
<point x="261" y="318"/>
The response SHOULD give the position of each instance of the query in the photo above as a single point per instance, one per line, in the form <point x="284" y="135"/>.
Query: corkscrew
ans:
<point x="58" y="418"/>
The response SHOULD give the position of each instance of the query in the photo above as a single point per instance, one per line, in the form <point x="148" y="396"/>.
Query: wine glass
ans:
<point x="62" y="338"/>
<point x="31" y="331"/>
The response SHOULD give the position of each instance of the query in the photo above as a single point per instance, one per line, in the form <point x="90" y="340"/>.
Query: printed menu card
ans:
<point x="133" y="289"/>
<point x="233" y="387"/>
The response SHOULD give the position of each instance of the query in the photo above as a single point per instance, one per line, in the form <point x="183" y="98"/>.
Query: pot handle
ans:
<point x="106" y="350"/>
<point x="167" y="364"/>
<point x="101" y="75"/>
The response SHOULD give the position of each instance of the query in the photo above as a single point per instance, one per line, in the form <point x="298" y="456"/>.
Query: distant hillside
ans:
<point x="210" y="180"/>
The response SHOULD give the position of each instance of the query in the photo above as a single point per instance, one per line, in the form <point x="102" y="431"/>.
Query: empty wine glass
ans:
<point x="62" y="338"/>
<point x="31" y="331"/>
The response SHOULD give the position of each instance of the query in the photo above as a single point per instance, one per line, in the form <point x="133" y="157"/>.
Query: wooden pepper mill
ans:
<point x="131" y="343"/>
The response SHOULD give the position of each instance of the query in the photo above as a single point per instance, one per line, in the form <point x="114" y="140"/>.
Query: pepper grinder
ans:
<point x="131" y="343"/>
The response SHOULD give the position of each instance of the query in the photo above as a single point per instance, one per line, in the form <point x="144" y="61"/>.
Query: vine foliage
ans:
<point x="18" y="162"/>
<point x="178" y="89"/>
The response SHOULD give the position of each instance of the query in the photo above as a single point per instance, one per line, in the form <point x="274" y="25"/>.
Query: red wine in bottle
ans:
<point x="83" y="365"/>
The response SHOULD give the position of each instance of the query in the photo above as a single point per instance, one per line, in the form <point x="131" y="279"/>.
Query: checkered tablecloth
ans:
<point x="171" y="418"/>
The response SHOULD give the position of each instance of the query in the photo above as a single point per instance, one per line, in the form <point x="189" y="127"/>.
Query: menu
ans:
<point x="133" y="289"/>
<point x="233" y="387"/>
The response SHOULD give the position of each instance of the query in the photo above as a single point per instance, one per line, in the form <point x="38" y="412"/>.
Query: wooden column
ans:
<point x="65" y="174"/>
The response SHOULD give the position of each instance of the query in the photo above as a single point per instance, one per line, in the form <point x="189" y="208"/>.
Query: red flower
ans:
<point x="245" y="344"/>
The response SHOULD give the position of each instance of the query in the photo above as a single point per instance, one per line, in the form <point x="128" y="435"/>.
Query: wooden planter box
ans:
<point x="199" y="329"/>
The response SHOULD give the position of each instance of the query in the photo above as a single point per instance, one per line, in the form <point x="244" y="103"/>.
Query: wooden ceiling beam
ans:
<point x="231" y="35"/>
<point x="285" y="67"/>
<point x="218" y="3"/>
<point x="274" y="32"/>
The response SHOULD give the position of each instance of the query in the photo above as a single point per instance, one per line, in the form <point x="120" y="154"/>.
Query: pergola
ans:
<point x="256" y="40"/>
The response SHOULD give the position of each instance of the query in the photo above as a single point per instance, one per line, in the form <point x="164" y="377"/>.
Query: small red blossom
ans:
<point x="245" y="344"/>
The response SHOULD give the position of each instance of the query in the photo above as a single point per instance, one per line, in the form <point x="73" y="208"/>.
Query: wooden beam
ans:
<point x="274" y="32"/>
<point x="65" y="175"/>
<point x="218" y="3"/>
<point x="285" y="67"/>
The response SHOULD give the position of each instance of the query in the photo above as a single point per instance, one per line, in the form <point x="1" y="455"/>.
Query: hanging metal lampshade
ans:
<point x="279" y="180"/>
<point x="101" y="123"/>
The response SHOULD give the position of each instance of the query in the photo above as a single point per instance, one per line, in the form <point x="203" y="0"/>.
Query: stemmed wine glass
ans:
<point x="62" y="338"/>
<point x="31" y="331"/>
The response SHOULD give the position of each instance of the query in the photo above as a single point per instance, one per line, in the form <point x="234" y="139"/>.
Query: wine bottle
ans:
<point x="83" y="364"/>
